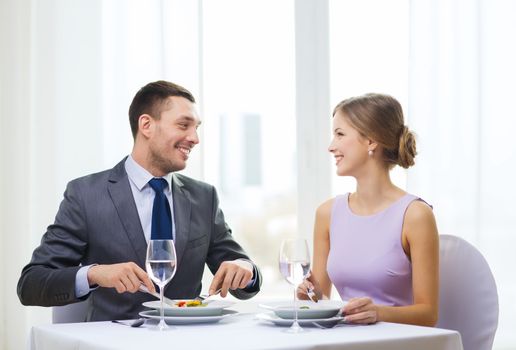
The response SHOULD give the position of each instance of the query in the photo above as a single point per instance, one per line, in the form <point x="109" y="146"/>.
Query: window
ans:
<point x="250" y="128"/>
<point x="369" y="53"/>
<point x="249" y="123"/>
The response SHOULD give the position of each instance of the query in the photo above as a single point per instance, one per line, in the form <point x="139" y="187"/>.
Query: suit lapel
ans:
<point x="120" y="191"/>
<point x="182" y="211"/>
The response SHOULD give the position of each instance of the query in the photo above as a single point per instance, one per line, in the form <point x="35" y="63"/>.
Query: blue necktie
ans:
<point x="161" y="217"/>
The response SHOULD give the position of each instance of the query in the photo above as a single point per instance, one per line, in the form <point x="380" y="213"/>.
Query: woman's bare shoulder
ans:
<point x="420" y="221"/>
<point x="419" y="211"/>
<point x="324" y="209"/>
<point x="323" y="217"/>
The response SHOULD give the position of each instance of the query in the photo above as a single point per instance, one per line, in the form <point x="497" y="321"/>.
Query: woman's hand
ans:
<point x="302" y="289"/>
<point x="361" y="311"/>
<point x="309" y="285"/>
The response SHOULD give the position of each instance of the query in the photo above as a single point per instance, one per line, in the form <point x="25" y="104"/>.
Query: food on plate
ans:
<point x="304" y="307"/>
<point x="190" y="303"/>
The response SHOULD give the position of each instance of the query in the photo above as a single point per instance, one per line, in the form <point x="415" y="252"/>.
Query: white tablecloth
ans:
<point x="242" y="331"/>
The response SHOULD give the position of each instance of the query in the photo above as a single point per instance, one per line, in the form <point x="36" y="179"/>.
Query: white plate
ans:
<point x="213" y="308"/>
<point x="154" y="314"/>
<point x="324" y="322"/>
<point x="305" y="309"/>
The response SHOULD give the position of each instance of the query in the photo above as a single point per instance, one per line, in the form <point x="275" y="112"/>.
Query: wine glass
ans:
<point x="160" y="264"/>
<point x="294" y="264"/>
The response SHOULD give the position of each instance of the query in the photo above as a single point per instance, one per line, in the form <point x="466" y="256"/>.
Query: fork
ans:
<point x="325" y="326"/>
<point x="203" y="297"/>
<point x="131" y="323"/>
<point x="312" y="295"/>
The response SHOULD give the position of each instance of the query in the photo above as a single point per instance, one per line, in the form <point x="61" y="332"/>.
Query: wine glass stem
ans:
<point x="296" y="325"/>
<point x="161" y="311"/>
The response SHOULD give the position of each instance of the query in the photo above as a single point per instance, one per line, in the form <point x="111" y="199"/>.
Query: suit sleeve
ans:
<point x="223" y="247"/>
<point x="49" y="278"/>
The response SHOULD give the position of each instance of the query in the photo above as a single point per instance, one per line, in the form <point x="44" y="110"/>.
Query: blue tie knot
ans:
<point x="158" y="184"/>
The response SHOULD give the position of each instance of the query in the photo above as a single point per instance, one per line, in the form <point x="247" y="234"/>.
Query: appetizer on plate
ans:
<point x="190" y="303"/>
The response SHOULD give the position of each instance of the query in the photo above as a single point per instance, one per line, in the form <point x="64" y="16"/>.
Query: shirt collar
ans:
<point x="140" y="176"/>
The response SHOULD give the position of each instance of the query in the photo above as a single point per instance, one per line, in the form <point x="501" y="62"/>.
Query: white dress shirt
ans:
<point x="144" y="195"/>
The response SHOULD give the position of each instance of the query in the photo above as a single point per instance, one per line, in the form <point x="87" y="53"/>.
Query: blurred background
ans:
<point x="266" y="74"/>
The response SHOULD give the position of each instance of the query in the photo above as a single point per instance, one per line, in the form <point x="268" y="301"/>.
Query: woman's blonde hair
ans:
<point x="380" y="118"/>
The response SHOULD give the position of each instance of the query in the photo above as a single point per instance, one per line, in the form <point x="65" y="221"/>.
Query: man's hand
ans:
<point x="232" y="275"/>
<point x="124" y="277"/>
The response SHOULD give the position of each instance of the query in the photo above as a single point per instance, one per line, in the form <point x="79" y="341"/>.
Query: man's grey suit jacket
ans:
<point x="98" y="223"/>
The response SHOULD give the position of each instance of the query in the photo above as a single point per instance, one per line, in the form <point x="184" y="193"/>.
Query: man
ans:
<point x="96" y="247"/>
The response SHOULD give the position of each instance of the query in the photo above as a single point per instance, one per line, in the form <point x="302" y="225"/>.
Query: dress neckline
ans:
<point x="348" y="208"/>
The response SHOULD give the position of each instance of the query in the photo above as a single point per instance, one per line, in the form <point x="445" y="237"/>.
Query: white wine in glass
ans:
<point x="294" y="265"/>
<point x="161" y="267"/>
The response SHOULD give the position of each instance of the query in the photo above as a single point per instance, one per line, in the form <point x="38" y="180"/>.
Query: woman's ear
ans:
<point x="372" y="145"/>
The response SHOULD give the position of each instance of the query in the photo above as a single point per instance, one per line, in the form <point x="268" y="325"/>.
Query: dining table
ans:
<point x="243" y="329"/>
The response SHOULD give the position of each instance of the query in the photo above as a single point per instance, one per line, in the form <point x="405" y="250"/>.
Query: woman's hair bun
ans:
<point x="407" y="148"/>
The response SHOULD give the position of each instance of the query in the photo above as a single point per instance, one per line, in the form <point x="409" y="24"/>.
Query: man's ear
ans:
<point x="145" y="125"/>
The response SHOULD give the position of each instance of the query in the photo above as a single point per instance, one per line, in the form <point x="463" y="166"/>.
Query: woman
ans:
<point x="379" y="245"/>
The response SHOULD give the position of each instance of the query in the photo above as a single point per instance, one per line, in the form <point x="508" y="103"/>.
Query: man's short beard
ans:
<point x="164" y="165"/>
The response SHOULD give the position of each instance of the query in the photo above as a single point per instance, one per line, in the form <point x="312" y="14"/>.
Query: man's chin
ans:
<point x="176" y="166"/>
<point x="170" y="167"/>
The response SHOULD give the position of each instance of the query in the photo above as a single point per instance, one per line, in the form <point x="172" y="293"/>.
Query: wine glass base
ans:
<point x="295" y="328"/>
<point x="153" y="325"/>
<point x="162" y="327"/>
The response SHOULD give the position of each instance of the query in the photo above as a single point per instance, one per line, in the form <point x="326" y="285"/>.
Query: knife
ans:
<point x="166" y="300"/>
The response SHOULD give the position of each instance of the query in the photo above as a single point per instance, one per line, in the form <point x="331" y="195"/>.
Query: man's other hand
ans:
<point x="232" y="275"/>
<point x="124" y="277"/>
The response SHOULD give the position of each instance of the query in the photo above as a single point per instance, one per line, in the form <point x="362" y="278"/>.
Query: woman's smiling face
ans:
<point x="348" y="146"/>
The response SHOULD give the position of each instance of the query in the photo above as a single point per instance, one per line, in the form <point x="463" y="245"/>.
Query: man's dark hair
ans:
<point x="149" y="100"/>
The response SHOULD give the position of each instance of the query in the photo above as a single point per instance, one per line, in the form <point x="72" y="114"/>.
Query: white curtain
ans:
<point x="69" y="70"/>
<point x="461" y="94"/>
